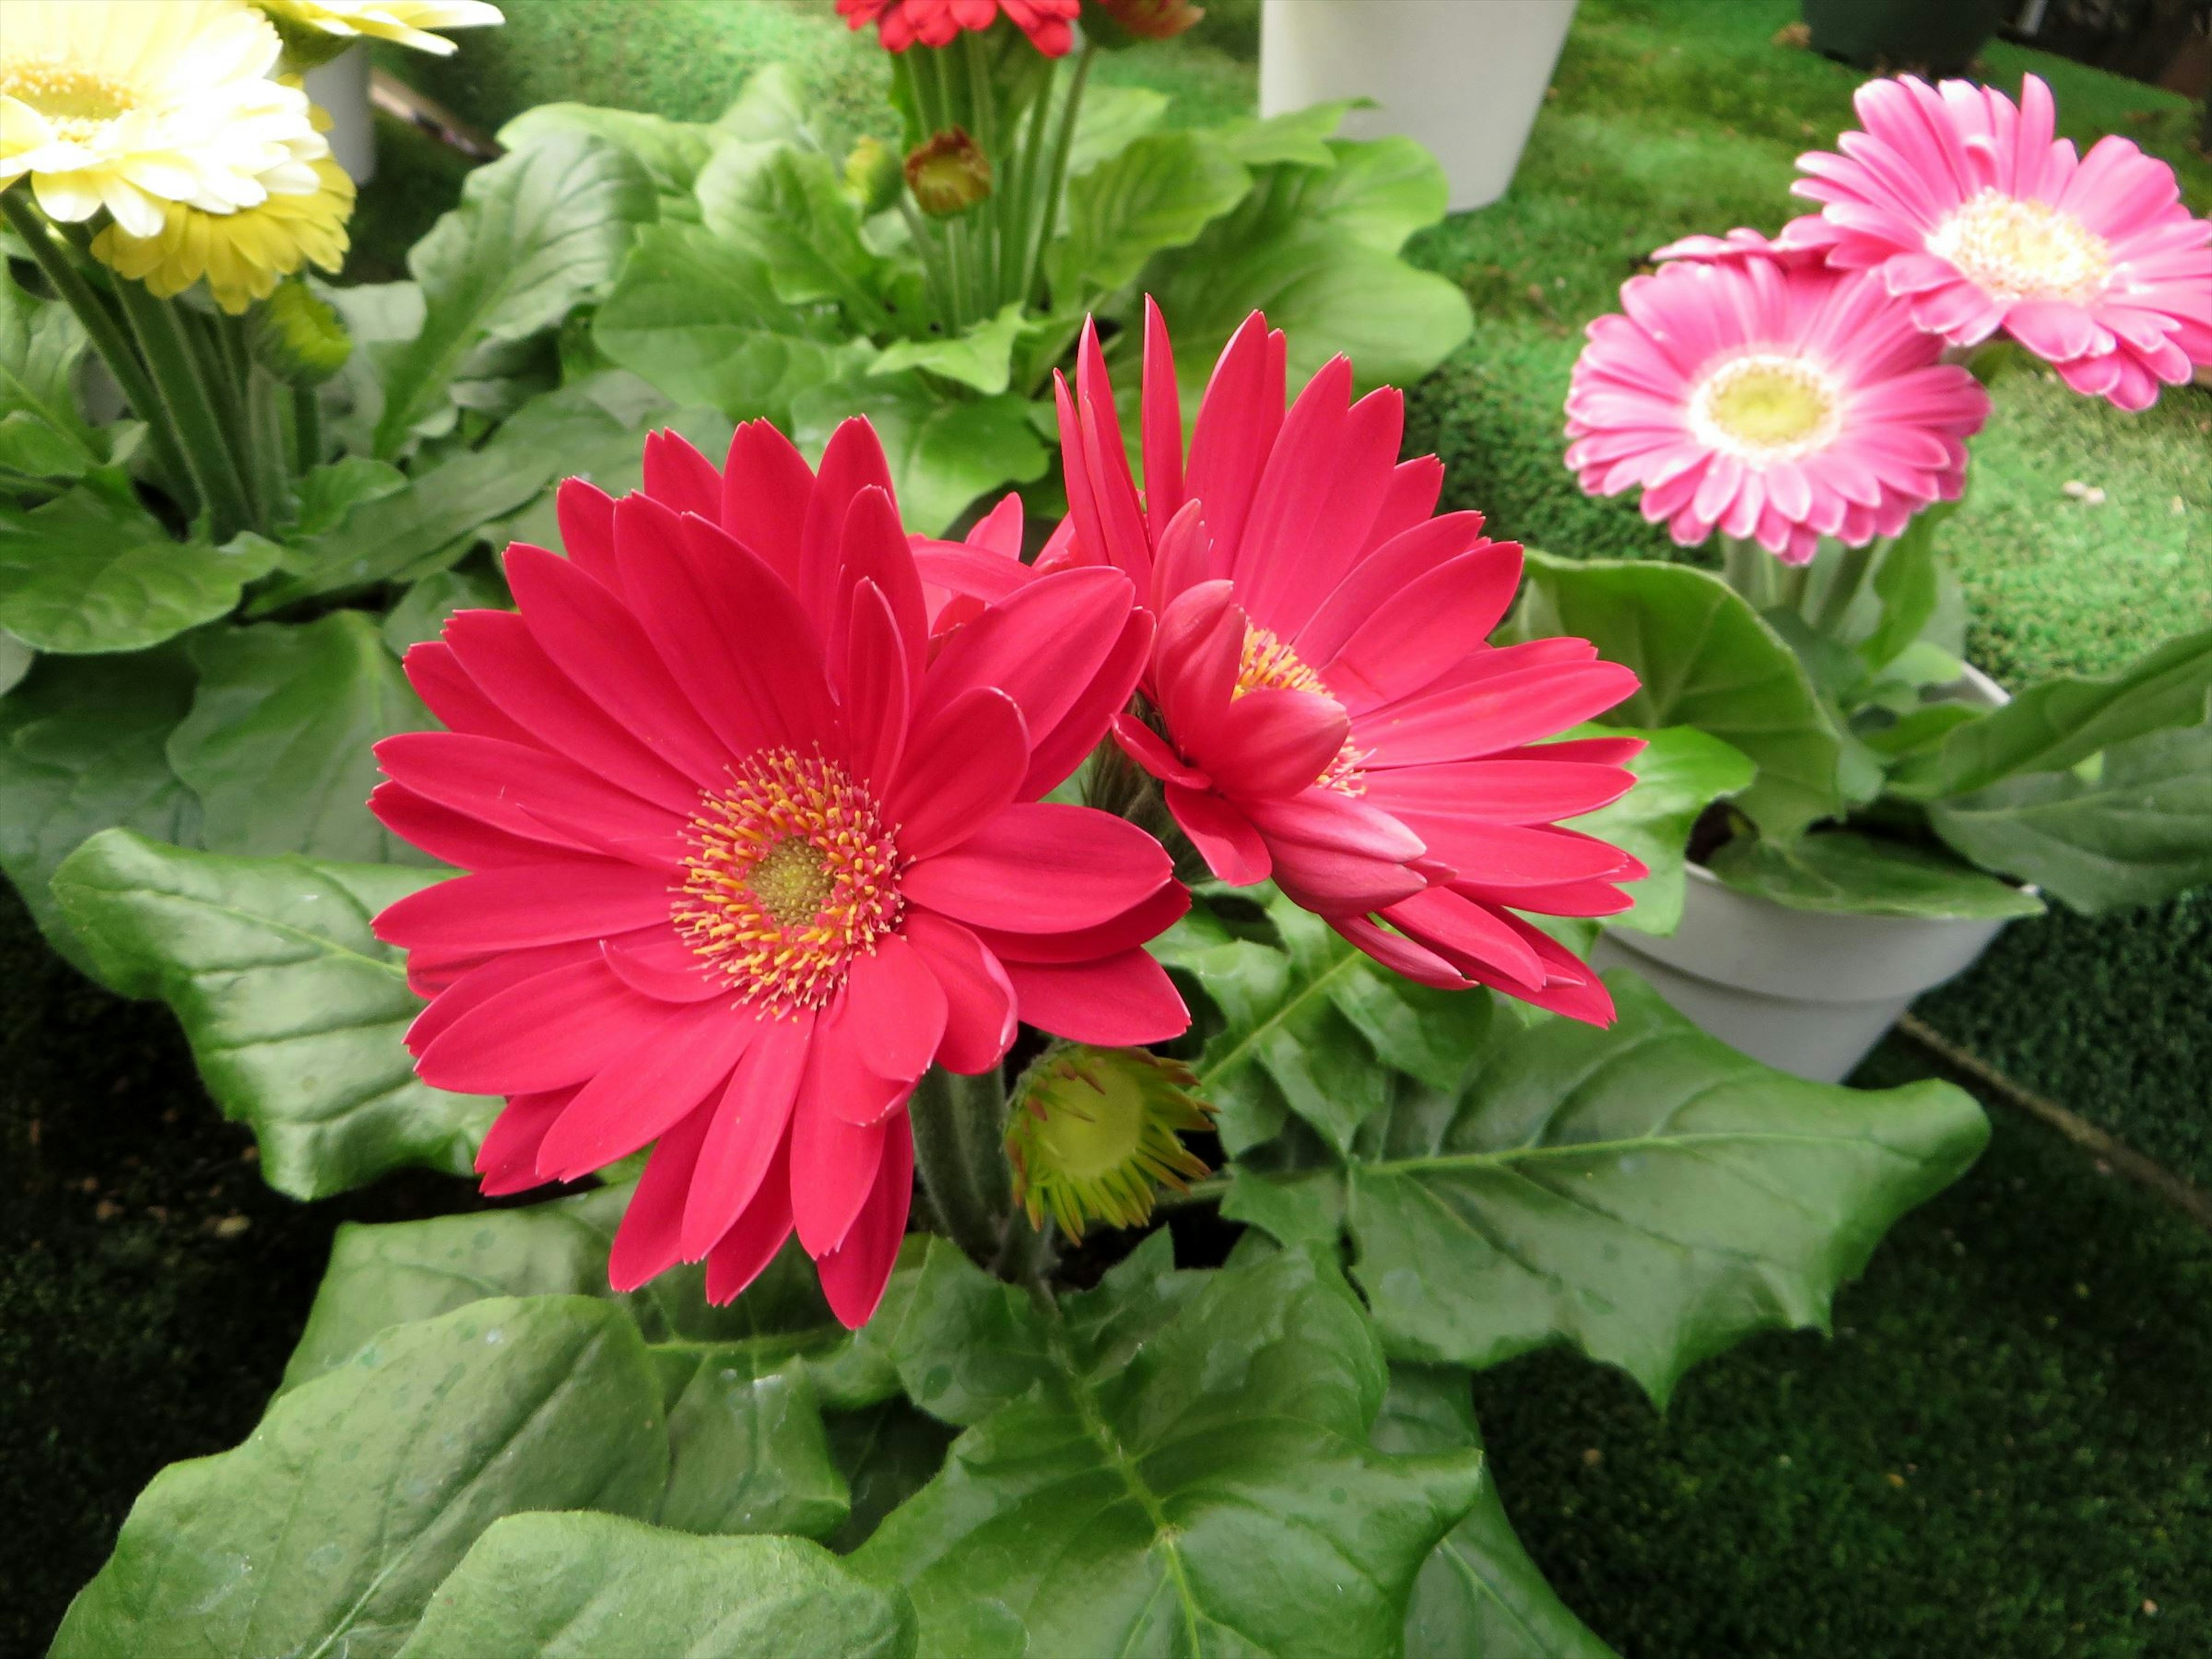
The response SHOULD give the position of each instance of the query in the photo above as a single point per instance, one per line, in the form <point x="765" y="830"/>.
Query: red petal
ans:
<point x="1333" y="854"/>
<point x="645" y="1243"/>
<point x="1138" y="925"/>
<point x="679" y="475"/>
<point x="873" y="549"/>
<point x="855" y="1273"/>
<point x="1465" y="933"/>
<point x="1120" y="999"/>
<point x="1274" y="742"/>
<point x="529" y="793"/>
<point x="657" y="964"/>
<point x="766" y="487"/>
<point x="747" y="1134"/>
<point x="1503" y="711"/>
<point x="1150" y="751"/>
<point x="1224" y="837"/>
<point x="686" y="1055"/>
<point x="1400" y="954"/>
<point x="979" y="999"/>
<point x="586" y="516"/>
<point x="458" y="701"/>
<point x="527" y="904"/>
<point x="507" y="1159"/>
<point x="1424" y="627"/>
<point x="755" y="1236"/>
<point x="483" y="980"/>
<point x="1161" y="422"/>
<point x="1058" y="752"/>
<point x="879" y="691"/>
<point x="1042" y="868"/>
<point x="852" y="461"/>
<point x="833" y="1162"/>
<point x="548" y="1032"/>
<point x="895" y="1011"/>
<point x="963" y="764"/>
<point x="452" y="837"/>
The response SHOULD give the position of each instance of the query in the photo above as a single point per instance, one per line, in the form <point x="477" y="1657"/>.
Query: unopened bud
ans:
<point x="873" y="175"/>
<point x="948" y="173"/>
<point x="297" y="337"/>
<point x="1094" y="1130"/>
<point x="1142" y="19"/>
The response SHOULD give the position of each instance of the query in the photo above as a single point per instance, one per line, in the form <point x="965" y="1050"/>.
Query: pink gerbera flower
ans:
<point x="900" y="23"/>
<point x="1967" y="204"/>
<point x="1327" y="712"/>
<point x="1773" y="399"/>
<point x="748" y="854"/>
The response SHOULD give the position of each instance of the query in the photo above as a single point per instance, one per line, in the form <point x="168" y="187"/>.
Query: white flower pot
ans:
<point x="1465" y="78"/>
<point x="340" y="88"/>
<point x="1804" y="991"/>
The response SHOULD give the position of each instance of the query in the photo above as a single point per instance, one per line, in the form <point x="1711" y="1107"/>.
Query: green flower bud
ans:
<point x="873" y="175"/>
<point x="1094" y="1130"/>
<point x="948" y="173"/>
<point x="297" y="337"/>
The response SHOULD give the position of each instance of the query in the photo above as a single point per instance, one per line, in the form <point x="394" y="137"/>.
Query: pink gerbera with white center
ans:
<point x="902" y="23"/>
<point x="749" y="853"/>
<point x="1768" y="397"/>
<point x="1328" y="714"/>
<point x="1968" y="206"/>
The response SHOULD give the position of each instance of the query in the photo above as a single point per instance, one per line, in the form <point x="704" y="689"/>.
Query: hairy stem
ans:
<point x="209" y="453"/>
<point x="306" y="428"/>
<point x="959" y="1146"/>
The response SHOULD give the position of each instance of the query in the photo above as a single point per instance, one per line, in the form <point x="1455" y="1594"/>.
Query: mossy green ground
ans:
<point x="2004" y="1450"/>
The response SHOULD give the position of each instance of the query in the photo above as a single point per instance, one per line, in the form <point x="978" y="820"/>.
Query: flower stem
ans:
<point x="306" y="428"/>
<point x="1063" y="147"/>
<point x="959" y="1146"/>
<point x="264" y="427"/>
<point x="107" y="338"/>
<point x="1014" y="285"/>
<point x="1743" y="561"/>
<point x="161" y="336"/>
<point x="1850" y="574"/>
<point x="986" y="137"/>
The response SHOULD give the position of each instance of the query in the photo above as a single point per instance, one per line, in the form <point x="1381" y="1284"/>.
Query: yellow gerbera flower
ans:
<point x="243" y="255"/>
<point x="406" y="22"/>
<point x="132" y="105"/>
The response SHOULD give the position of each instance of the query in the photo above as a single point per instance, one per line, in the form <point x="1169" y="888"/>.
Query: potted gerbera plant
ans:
<point x="1808" y="401"/>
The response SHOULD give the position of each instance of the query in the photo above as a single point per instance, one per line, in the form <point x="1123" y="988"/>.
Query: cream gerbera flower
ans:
<point x="407" y="21"/>
<point x="243" y="255"/>
<point x="131" y="105"/>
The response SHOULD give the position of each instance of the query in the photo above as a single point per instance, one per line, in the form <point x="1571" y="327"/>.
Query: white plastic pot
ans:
<point x="340" y="88"/>
<point x="1804" y="991"/>
<point x="1464" y="78"/>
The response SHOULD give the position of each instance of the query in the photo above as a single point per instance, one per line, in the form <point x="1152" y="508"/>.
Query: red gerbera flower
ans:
<point x="900" y="23"/>
<point x="1329" y="713"/>
<point x="750" y="854"/>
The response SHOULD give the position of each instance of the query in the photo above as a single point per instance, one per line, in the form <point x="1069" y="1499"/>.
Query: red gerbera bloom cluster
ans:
<point x="747" y="855"/>
<point x="900" y="23"/>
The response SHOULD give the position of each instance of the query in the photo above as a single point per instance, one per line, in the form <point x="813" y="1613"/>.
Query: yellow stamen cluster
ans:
<point x="2014" y="249"/>
<point x="1765" y="407"/>
<point x="792" y="874"/>
<point x="76" y="102"/>
<point x="1267" y="664"/>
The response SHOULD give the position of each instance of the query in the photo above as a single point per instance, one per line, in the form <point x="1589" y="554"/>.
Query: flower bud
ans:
<point x="297" y="337"/>
<point x="1092" y="1130"/>
<point x="873" y="175"/>
<point x="1141" y="20"/>
<point x="948" y="173"/>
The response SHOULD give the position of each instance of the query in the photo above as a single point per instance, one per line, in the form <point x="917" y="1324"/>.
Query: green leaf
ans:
<point x="786" y="207"/>
<point x="277" y="746"/>
<point x="331" y="1528"/>
<point x="87" y="573"/>
<point x="982" y="358"/>
<point x="746" y="1448"/>
<point x="328" y="493"/>
<point x="961" y="1342"/>
<point x="1298" y="136"/>
<point x="1681" y="772"/>
<point x="41" y="342"/>
<point x="1480" y="1593"/>
<point x="15" y="661"/>
<point x="1201" y="1483"/>
<point x="83" y="747"/>
<point x="2062" y="722"/>
<point x="769" y="108"/>
<point x="1378" y="193"/>
<point x="1157" y="193"/>
<point x="886" y="1452"/>
<point x="1706" y="659"/>
<point x="293" y="1008"/>
<point x="1644" y="1193"/>
<point x="439" y="515"/>
<point x="701" y="320"/>
<point x="537" y="232"/>
<point x="1844" y="873"/>
<point x="1308" y="1024"/>
<point x="1111" y="119"/>
<point x="421" y="614"/>
<point x="584" y="1586"/>
<point x="2132" y="826"/>
<point x="944" y="451"/>
<point x="671" y="152"/>
<point x="1908" y="584"/>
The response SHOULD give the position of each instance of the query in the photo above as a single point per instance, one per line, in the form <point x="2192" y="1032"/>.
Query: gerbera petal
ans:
<point x="526" y="905"/>
<point x="740" y="1254"/>
<point x="1138" y="925"/>
<point x="746" y="1132"/>
<point x="548" y="1032"/>
<point x="979" y="999"/>
<point x="1233" y="849"/>
<point x="853" y="1274"/>
<point x="1041" y="867"/>
<point x="648" y="1240"/>
<point x="507" y="1159"/>
<point x="834" y="1160"/>
<point x="1116" y="1000"/>
<point x="687" y="1056"/>
<point x="896" y="1010"/>
<point x="964" y="765"/>
<point x="1334" y="854"/>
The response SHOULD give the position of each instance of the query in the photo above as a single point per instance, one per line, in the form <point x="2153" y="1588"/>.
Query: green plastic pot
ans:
<point x="1939" y="36"/>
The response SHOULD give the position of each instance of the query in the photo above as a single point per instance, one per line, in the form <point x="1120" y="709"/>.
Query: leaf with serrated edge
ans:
<point x="1203" y="1454"/>
<point x="330" y="1529"/>
<point x="1644" y="1193"/>
<point x="294" y="1010"/>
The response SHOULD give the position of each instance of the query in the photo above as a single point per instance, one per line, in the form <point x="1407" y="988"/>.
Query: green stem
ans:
<point x="979" y="96"/>
<point x="959" y="1146"/>
<point x="1063" y="147"/>
<point x="265" y="425"/>
<point x="1742" y="566"/>
<point x="306" y="428"/>
<point x="225" y="388"/>
<point x="107" y="338"/>
<point x="1025" y="203"/>
<point x="1849" y="574"/>
<point x="159" y="330"/>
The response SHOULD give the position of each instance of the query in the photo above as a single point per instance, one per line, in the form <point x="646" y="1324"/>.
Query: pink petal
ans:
<point x="1150" y="751"/>
<point x="1042" y="868"/>
<point x="529" y="793"/>
<point x="587" y="517"/>
<point x="1058" y="752"/>
<point x="452" y="837"/>
<point x="1333" y="854"/>
<point x="896" y="1010"/>
<point x="754" y="1238"/>
<point x="526" y="905"/>
<point x="1501" y="712"/>
<point x="746" y="1133"/>
<point x="645" y="1243"/>
<point x="458" y="701"/>
<point x="853" y="1274"/>
<point x="680" y="476"/>
<point x="1424" y="627"/>
<point x="1274" y="742"/>
<point x="964" y="765"/>
<point x="852" y="461"/>
<point x="1121" y="1000"/>
<point x="833" y="1161"/>
<point x="552" y="1030"/>
<point x="659" y="965"/>
<point x="687" y="1056"/>
<point x="1226" y="838"/>
<point x="766" y="488"/>
<point x="879" y="690"/>
<point x="507" y="1159"/>
<point x="1138" y="925"/>
<point x="1161" y="422"/>
<point x="979" y="999"/>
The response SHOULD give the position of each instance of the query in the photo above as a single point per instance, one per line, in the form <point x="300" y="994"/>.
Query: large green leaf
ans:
<point x="1681" y="772"/>
<point x="596" y="1586"/>
<point x="42" y="435"/>
<point x="699" y="318"/>
<point x="747" y="1452"/>
<point x="671" y="152"/>
<point x="1157" y="193"/>
<point x="422" y="612"/>
<point x="887" y="1452"/>
<point x="2132" y="826"/>
<point x="1644" y="1193"/>
<point x="277" y="746"/>
<point x="945" y="451"/>
<point x="1706" y="659"/>
<point x="83" y="748"/>
<point x="2064" y="721"/>
<point x="1299" y="136"/>
<point x="90" y="573"/>
<point x="1848" y="874"/>
<point x="294" y="1009"/>
<point x="1191" y="1476"/>
<point x="536" y="232"/>
<point x="786" y="207"/>
<point x="1378" y="193"/>
<point x="1111" y="119"/>
<point x="1480" y="1594"/>
<point x="331" y="1528"/>
<point x="1305" y="1024"/>
<point x="982" y="358"/>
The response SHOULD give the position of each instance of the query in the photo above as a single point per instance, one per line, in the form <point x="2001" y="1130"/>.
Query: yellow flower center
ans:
<point x="77" y="101"/>
<point x="1267" y="664"/>
<point x="792" y="874"/>
<point x="2020" y="250"/>
<point x="1765" y="407"/>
